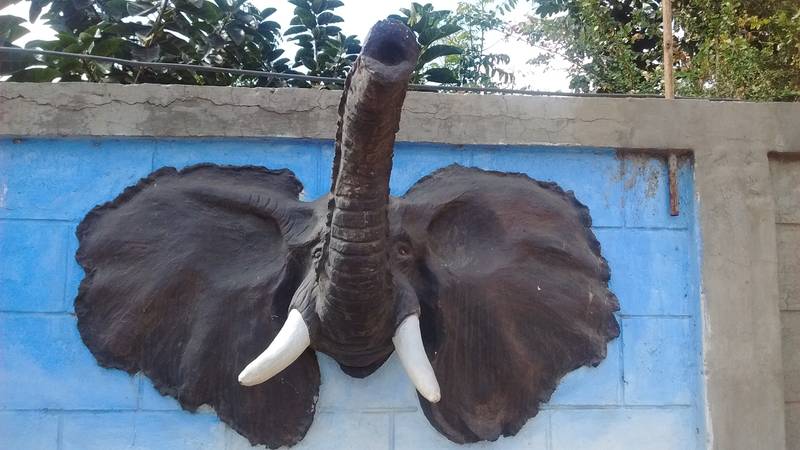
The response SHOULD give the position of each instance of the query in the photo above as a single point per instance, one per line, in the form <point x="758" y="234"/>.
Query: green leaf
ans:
<point x="36" y="9"/>
<point x="196" y="3"/>
<point x="303" y="40"/>
<point x="10" y="29"/>
<point x="441" y="75"/>
<point x="85" y="38"/>
<point x="6" y="3"/>
<point x="438" y="51"/>
<point x="294" y="30"/>
<point x="548" y="8"/>
<point x="36" y="75"/>
<point x="247" y="20"/>
<point x="10" y="21"/>
<point x="236" y="34"/>
<point x="67" y="65"/>
<point x="66" y="39"/>
<point x="328" y="17"/>
<point x="305" y="52"/>
<point x="309" y="63"/>
<point x="306" y="17"/>
<point x="352" y="45"/>
<point x="108" y="46"/>
<point x="301" y="4"/>
<point x="318" y="6"/>
<point x="305" y="44"/>
<point x="266" y="12"/>
<point x="269" y="27"/>
<point x="430" y="35"/>
<point x="209" y="13"/>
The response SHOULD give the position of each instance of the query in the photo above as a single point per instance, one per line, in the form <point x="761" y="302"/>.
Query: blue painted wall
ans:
<point x="645" y="395"/>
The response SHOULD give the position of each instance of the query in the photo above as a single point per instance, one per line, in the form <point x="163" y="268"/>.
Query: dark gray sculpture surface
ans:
<point x="190" y="274"/>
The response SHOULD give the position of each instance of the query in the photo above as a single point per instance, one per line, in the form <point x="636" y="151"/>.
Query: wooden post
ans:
<point x="669" y="94"/>
<point x="669" y="81"/>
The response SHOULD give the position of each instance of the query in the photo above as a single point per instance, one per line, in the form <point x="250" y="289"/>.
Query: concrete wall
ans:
<point x="786" y="186"/>
<point x="742" y="362"/>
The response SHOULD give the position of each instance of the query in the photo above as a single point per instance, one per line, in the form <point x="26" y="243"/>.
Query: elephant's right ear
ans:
<point x="516" y="295"/>
<point x="188" y="277"/>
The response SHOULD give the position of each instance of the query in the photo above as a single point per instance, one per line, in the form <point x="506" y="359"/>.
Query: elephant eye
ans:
<point x="317" y="253"/>
<point x="403" y="249"/>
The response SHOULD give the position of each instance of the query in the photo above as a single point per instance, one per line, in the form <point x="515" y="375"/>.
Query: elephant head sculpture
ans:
<point x="489" y="286"/>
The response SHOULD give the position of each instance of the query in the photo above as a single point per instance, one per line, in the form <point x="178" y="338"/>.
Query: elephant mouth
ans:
<point x="295" y="337"/>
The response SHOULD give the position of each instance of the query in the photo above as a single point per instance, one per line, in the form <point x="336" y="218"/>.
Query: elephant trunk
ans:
<point x="352" y="292"/>
<point x="357" y="307"/>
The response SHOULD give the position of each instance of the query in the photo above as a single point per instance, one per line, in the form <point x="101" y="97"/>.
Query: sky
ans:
<point x="360" y="15"/>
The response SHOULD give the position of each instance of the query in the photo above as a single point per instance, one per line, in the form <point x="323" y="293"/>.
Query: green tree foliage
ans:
<point x="212" y="33"/>
<point x="454" y="45"/>
<point x="324" y="50"/>
<point x="476" y="65"/>
<point x="433" y="28"/>
<point x="611" y="45"/>
<point x="235" y="34"/>
<point x="748" y="49"/>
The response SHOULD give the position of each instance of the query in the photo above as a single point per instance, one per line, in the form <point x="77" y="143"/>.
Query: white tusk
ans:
<point x="408" y="344"/>
<point x="291" y="341"/>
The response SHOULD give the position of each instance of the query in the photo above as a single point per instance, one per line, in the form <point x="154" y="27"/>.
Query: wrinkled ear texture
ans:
<point x="520" y="296"/>
<point x="188" y="278"/>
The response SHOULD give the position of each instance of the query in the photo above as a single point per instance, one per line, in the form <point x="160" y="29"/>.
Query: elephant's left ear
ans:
<point x="518" y="295"/>
<point x="189" y="275"/>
